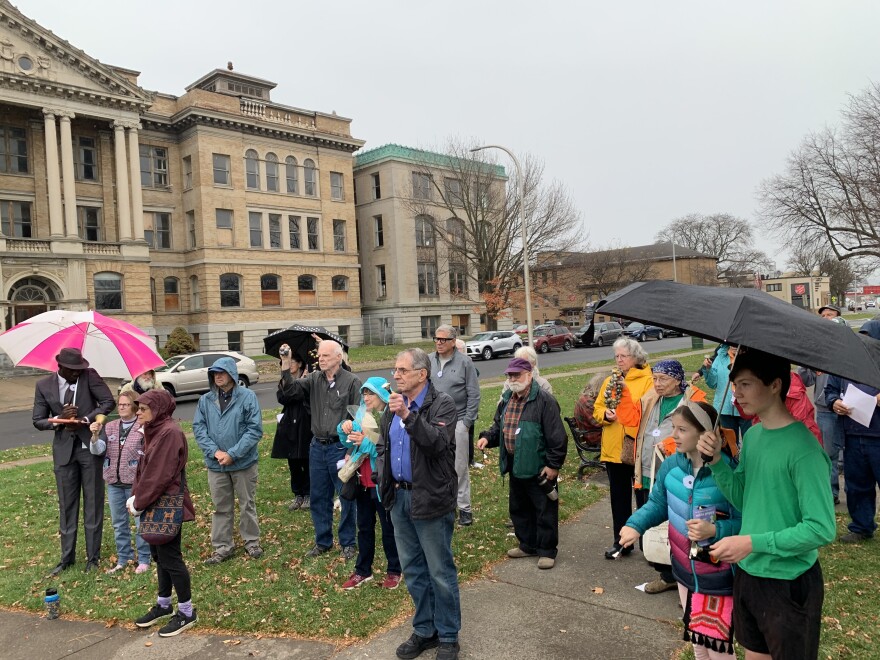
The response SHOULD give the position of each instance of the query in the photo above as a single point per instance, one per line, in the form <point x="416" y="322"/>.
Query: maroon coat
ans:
<point x="165" y="456"/>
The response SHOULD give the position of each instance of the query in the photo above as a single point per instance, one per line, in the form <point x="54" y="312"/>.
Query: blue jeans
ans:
<point x="861" y="465"/>
<point x="831" y="428"/>
<point x="368" y="507"/>
<point x="117" y="496"/>
<point x="324" y="482"/>
<point x="425" y="548"/>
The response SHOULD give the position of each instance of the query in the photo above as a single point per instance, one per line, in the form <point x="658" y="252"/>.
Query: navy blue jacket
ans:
<point x="836" y="388"/>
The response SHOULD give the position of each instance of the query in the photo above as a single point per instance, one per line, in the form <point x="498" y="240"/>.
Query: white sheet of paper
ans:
<point x="641" y="587"/>
<point x="278" y="417"/>
<point x="863" y="405"/>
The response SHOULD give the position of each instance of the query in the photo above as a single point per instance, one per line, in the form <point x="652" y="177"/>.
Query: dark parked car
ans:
<point x="641" y="332"/>
<point x="669" y="332"/>
<point x="605" y="334"/>
<point x="557" y="336"/>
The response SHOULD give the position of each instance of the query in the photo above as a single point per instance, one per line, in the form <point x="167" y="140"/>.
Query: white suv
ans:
<point x="188" y="374"/>
<point x="489" y="344"/>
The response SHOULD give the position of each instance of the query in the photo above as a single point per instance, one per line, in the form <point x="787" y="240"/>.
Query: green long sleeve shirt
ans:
<point x="783" y="488"/>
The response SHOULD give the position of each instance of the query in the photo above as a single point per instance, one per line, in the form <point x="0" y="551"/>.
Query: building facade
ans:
<point x="413" y="277"/>
<point x="806" y="291"/>
<point x="220" y="210"/>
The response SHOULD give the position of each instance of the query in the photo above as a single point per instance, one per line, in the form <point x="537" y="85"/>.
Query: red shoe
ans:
<point x="391" y="581"/>
<point x="355" y="581"/>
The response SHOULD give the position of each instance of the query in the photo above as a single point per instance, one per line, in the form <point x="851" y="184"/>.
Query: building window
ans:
<point x="376" y="185"/>
<point x="429" y="326"/>
<point x="191" y="229"/>
<point x="294" y="232"/>
<point x="455" y="231"/>
<point x="421" y="186"/>
<point x="187" y="172"/>
<point x="339" y="287"/>
<point x="272" y="172"/>
<point x="378" y="232"/>
<point x="86" y="159"/>
<point x="337" y="190"/>
<point x="154" y="166"/>
<point x="252" y="169"/>
<point x="343" y="332"/>
<point x="233" y="341"/>
<point x="224" y="218"/>
<point x="108" y="291"/>
<point x="270" y="290"/>
<point x="222" y="171"/>
<point x="427" y="274"/>
<point x="230" y="290"/>
<point x="458" y="281"/>
<point x="424" y="231"/>
<point x="453" y="192"/>
<point x="153" y="297"/>
<point x="157" y="230"/>
<point x="339" y="235"/>
<point x="89" y="223"/>
<point x="292" y="175"/>
<point x="310" y="177"/>
<point x="381" y="284"/>
<point x="194" y="300"/>
<point x="773" y="287"/>
<point x="307" y="294"/>
<point x="312" y="233"/>
<point x="13" y="150"/>
<point x="172" y="294"/>
<point x="16" y="219"/>
<point x="275" y="231"/>
<point x="255" y="227"/>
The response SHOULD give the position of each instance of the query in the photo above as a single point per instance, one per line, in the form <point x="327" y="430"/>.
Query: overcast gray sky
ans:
<point x="646" y="110"/>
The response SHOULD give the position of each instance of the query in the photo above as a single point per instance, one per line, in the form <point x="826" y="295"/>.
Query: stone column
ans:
<point x="53" y="175"/>
<point x="123" y="204"/>
<point x="68" y="176"/>
<point x="137" y="197"/>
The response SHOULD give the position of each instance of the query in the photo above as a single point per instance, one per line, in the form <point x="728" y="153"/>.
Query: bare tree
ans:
<point x="722" y="235"/>
<point x="474" y="208"/>
<point x="830" y="189"/>
<point x="598" y="273"/>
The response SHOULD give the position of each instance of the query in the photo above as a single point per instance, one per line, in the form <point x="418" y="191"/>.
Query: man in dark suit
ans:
<point x="76" y="393"/>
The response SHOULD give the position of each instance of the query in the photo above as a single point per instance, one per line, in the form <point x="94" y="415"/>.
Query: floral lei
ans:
<point x="614" y="389"/>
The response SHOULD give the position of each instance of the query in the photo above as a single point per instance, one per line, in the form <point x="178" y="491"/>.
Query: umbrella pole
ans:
<point x="708" y="459"/>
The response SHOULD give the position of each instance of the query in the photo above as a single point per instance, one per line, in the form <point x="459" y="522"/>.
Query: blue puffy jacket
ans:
<point x="236" y="430"/>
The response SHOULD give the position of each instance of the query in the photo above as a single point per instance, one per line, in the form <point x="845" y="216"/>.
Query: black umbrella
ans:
<point x="300" y="340"/>
<point x="747" y="317"/>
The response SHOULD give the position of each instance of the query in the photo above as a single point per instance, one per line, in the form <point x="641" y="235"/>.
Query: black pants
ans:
<point x="664" y="570"/>
<point x="83" y="475"/>
<point x="471" y="445"/>
<point x="171" y="570"/>
<point x="535" y="517"/>
<point x="620" y="482"/>
<point x="299" y="476"/>
<point x="368" y="507"/>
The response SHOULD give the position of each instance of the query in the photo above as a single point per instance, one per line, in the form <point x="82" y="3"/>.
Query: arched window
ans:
<point x="270" y="290"/>
<point x="172" y="294"/>
<point x="252" y="169"/>
<point x="339" y="286"/>
<point x="108" y="291"/>
<point x="194" y="301"/>
<point x="455" y="230"/>
<point x="230" y="290"/>
<point x="310" y="174"/>
<point x="291" y="172"/>
<point x="271" y="172"/>
<point x="424" y="231"/>
<point x="307" y="290"/>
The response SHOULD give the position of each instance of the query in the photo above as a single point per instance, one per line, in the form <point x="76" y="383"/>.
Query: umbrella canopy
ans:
<point x="300" y="340"/>
<point x="114" y="348"/>
<point x="747" y="317"/>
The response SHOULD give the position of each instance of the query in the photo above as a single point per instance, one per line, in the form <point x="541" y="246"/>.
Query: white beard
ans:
<point x="146" y="384"/>
<point x="517" y="386"/>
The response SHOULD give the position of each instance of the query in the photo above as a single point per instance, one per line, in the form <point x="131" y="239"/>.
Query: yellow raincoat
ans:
<point x="637" y="382"/>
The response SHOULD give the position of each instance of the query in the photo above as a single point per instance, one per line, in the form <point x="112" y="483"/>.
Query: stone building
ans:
<point x="412" y="276"/>
<point x="220" y="210"/>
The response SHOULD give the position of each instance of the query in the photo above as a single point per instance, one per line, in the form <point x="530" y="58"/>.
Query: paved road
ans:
<point x="18" y="430"/>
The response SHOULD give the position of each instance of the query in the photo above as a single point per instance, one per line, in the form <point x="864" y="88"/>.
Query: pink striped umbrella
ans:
<point x="114" y="348"/>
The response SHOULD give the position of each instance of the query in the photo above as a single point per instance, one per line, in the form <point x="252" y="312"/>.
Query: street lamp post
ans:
<point x="525" y="237"/>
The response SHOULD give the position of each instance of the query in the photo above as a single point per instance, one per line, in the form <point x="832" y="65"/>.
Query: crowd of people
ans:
<point x="746" y="489"/>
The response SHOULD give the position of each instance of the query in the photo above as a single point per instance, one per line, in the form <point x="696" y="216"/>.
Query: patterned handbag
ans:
<point x="161" y="521"/>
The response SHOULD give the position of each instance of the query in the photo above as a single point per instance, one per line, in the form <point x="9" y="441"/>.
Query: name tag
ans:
<point x="656" y="433"/>
<point x="517" y="431"/>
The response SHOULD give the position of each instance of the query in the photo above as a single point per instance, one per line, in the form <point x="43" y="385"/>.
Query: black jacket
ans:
<point x="293" y="435"/>
<point x="431" y="431"/>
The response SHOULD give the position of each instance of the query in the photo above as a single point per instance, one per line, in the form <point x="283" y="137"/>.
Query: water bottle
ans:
<point x="549" y="487"/>
<point x="52" y="605"/>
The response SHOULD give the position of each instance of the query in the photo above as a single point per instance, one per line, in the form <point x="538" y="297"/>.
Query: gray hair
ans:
<point x="528" y="353"/>
<point x="460" y="346"/>
<point x="635" y="349"/>
<point x="336" y="346"/>
<point x="448" y="329"/>
<point x="419" y="358"/>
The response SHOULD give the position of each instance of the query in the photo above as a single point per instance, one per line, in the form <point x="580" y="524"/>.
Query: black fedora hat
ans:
<point x="72" y="359"/>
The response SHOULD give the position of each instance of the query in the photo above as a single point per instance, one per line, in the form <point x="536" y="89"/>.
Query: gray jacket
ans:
<point x="460" y="381"/>
<point x="818" y="381"/>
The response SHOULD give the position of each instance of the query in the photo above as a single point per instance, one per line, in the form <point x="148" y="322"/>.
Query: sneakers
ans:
<point x="391" y="581"/>
<point x="660" y="585"/>
<point x="153" y="616"/>
<point x="519" y="553"/>
<point x="254" y="551"/>
<point x="355" y="581"/>
<point x="465" y="518"/>
<point x="415" y="645"/>
<point x="349" y="552"/>
<point x="115" y="569"/>
<point x="448" y="651"/>
<point x="179" y="622"/>
<point x="317" y="551"/>
<point x="142" y="568"/>
<point x="306" y="503"/>
<point x="218" y="558"/>
<point x="854" y="537"/>
<point x="545" y="563"/>
<point x="296" y="503"/>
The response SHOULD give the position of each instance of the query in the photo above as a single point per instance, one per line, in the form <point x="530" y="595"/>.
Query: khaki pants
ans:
<point x="462" y="467"/>
<point x="225" y="487"/>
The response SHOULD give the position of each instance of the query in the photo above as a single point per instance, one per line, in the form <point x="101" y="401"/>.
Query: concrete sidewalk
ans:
<point x="586" y="607"/>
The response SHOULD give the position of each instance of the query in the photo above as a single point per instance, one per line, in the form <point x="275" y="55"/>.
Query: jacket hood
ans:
<point x="871" y="328"/>
<point x="160" y="403"/>
<point x="226" y="364"/>
<point x="378" y="386"/>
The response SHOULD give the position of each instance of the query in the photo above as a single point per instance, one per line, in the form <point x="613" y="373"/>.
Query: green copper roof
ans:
<point x="417" y="156"/>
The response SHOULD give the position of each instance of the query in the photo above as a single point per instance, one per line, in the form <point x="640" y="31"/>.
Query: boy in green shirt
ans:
<point x="782" y="488"/>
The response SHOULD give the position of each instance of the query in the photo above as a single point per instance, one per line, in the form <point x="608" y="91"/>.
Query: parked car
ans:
<point x="669" y="332"/>
<point x="557" y="336"/>
<point x="188" y="374"/>
<point x="641" y="332"/>
<point x="489" y="344"/>
<point x="605" y="333"/>
<point x="870" y="303"/>
<point x="521" y="330"/>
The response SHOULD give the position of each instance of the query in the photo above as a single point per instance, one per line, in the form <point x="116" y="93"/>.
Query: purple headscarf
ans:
<point x="673" y="369"/>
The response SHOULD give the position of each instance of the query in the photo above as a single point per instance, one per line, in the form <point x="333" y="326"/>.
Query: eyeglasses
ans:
<point x="144" y="408"/>
<point x="622" y="357"/>
<point x="443" y="340"/>
<point x="402" y="371"/>
<point x="124" y="405"/>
